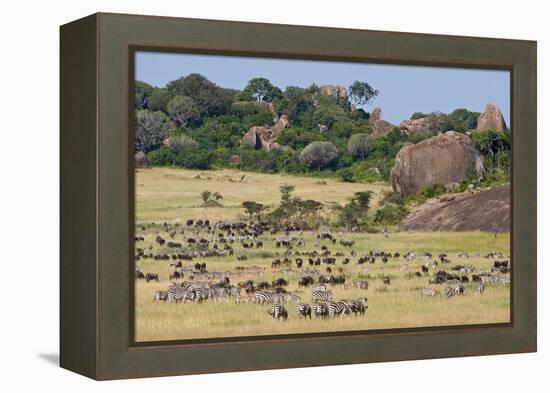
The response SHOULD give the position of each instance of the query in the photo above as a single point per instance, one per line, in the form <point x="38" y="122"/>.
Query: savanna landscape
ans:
<point x="265" y="211"/>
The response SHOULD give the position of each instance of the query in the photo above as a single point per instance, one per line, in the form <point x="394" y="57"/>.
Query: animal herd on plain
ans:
<point x="191" y="281"/>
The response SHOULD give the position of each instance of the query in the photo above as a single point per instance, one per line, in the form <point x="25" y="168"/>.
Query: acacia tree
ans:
<point x="151" y="128"/>
<point x="360" y="145"/>
<point x="354" y="214"/>
<point x="361" y="93"/>
<point x="253" y="208"/>
<point x="182" y="110"/>
<point x="319" y="154"/>
<point x="262" y="89"/>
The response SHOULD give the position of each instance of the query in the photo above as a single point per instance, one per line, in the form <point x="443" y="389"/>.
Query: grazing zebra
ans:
<point x="429" y="292"/>
<point x="338" y="308"/>
<point x="303" y="310"/>
<point x="278" y="311"/>
<point x="359" y="306"/>
<point x="321" y="296"/>
<point x="321" y="311"/>
<point x="160" y="296"/>
<point x="454" y="290"/>
<point x="479" y="289"/>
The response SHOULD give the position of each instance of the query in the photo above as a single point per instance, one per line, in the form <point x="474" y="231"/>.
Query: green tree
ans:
<point x="182" y="110"/>
<point x="150" y="129"/>
<point x="159" y="99"/>
<point x="210" y="99"/>
<point x="261" y="89"/>
<point x="183" y="144"/>
<point x="462" y="120"/>
<point x="361" y="93"/>
<point x="319" y="155"/>
<point x="360" y="145"/>
<point x="354" y="215"/>
<point x="142" y="91"/>
<point x="253" y="209"/>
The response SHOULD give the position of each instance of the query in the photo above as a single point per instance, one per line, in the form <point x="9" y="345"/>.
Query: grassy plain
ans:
<point x="173" y="195"/>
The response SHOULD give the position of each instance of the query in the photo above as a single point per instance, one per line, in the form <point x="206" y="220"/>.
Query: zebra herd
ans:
<point x="205" y="285"/>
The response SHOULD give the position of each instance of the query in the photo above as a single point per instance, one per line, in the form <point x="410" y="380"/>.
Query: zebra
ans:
<point x="160" y="296"/>
<point x="321" y="296"/>
<point x="429" y="292"/>
<point x="262" y="297"/>
<point x="202" y="294"/>
<point x="178" y="294"/>
<point x="338" y="308"/>
<point x="479" y="289"/>
<point x="278" y="311"/>
<point x="454" y="290"/>
<point x="303" y="310"/>
<point x="319" y="287"/>
<point x="357" y="306"/>
<point x="321" y="311"/>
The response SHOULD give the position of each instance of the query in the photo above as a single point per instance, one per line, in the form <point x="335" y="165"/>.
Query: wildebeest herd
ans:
<point x="313" y="263"/>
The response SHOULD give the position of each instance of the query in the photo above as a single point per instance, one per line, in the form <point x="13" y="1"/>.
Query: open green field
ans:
<point x="172" y="195"/>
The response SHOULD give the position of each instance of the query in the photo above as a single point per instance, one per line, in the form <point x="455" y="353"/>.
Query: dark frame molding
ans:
<point x="97" y="195"/>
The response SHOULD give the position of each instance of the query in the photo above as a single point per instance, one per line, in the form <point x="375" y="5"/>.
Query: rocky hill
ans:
<point x="487" y="211"/>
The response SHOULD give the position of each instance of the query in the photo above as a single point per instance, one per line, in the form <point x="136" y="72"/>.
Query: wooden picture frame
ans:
<point x="97" y="196"/>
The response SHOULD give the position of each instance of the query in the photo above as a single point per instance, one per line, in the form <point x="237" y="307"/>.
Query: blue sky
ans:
<point x="403" y="89"/>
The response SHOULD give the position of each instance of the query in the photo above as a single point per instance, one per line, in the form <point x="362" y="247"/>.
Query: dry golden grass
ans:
<point x="171" y="195"/>
<point x="165" y="194"/>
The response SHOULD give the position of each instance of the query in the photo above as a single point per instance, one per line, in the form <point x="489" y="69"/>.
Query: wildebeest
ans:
<point x="151" y="277"/>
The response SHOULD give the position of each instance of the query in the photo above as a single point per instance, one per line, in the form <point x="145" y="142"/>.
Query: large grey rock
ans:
<point x="442" y="159"/>
<point x="336" y="91"/>
<point x="379" y="126"/>
<point x="491" y="118"/>
<point x="265" y="137"/>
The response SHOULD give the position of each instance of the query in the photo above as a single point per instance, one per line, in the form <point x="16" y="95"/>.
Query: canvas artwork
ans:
<point x="284" y="196"/>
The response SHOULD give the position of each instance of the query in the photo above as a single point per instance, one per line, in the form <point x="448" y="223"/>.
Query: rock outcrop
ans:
<point x="487" y="211"/>
<point x="379" y="127"/>
<point x="140" y="159"/>
<point x="423" y="125"/>
<point x="336" y="91"/>
<point x="442" y="159"/>
<point x="265" y="137"/>
<point x="491" y="118"/>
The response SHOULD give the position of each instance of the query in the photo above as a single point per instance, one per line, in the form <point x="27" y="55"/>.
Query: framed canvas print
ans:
<point x="240" y="196"/>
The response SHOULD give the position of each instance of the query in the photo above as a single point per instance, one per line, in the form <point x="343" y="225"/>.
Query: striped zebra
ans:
<point x="321" y="311"/>
<point x="479" y="289"/>
<point x="454" y="290"/>
<point x="429" y="292"/>
<point x="338" y="308"/>
<point x="303" y="310"/>
<point x="160" y="296"/>
<point x="321" y="296"/>
<point x="177" y="294"/>
<point x="278" y="311"/>
<point x="262" y="297"/>
<point x="358" y="306"/>
<point x="202" y="294"/>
